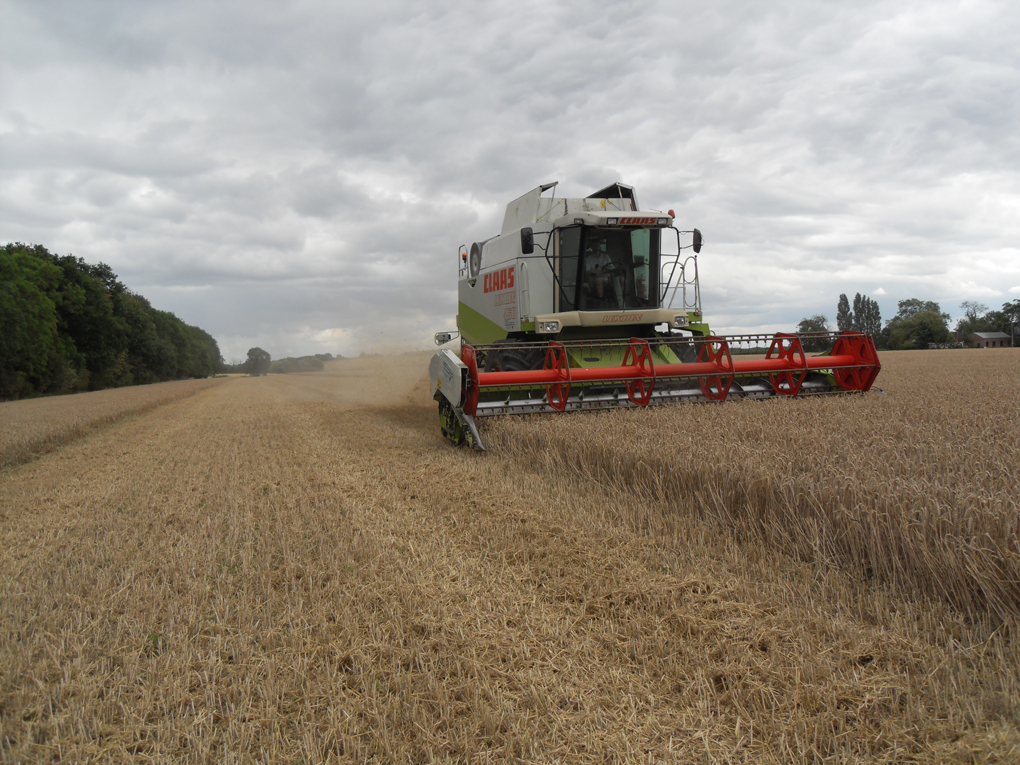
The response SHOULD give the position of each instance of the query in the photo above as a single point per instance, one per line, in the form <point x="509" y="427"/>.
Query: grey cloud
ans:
<point x="69" y="150"/>
<point x="320" y="191"/>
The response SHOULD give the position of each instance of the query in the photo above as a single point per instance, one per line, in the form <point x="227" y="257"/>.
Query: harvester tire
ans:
<point x="514" y="360"/>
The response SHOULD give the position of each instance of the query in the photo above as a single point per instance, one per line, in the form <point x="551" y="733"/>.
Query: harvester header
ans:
<point x="571" y="307"/>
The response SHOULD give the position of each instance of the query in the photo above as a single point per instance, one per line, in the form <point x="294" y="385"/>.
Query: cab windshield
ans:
<point x="608" y="269"/>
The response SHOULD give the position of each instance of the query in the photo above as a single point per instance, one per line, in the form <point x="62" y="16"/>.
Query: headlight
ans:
<point x="548" y="326"/>
<point x="663" y="221"/>
<point x="680" y="321"/>
<point x="612" y="221"/>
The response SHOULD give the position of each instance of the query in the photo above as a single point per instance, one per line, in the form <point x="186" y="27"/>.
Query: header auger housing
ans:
<point x="566" y="309"/>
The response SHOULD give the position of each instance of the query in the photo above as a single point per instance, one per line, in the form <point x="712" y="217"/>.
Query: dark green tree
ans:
<point x="1011" y="316"/>
<point x="1011" y="311"/>
<point x="865" y="316"/>
<point x="916" y="325"/>
<point x="29" y="339"/>
<point x="919" y="331"/>
<point x="912" y="306"/>
<point x="152" y="356"/>
<point x="87" y="320"/>
<point x="870" y="319"/>
<point x="844" y="317"/>
<point x="817" y="323"/>
<point x="67" y="325"/>
<point x="259" y="362"/>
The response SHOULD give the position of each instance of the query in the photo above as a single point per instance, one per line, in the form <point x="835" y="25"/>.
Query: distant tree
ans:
<point x="844" y="317"/>
<point x="300" y="364"/>
<point x="67" y="325"/>
<point x="882" y="338"/>
<point x="978" y="318"/>
<point x="916" y="325"/>
<point x="919" y="331"/>
<point x="1011" y="315"/>
<point x="817" y="323"/>
<point x="865" y="316"/>
<point x="972" y="321"/>
<point x="972" y="310"/>
<point x="910" y="307"/>
<point x="259" y="362"/>
<point x="870" y="320"/>
<point x="1012" y="311"/>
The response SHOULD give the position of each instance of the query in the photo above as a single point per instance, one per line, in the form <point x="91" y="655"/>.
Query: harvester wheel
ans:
<point x="450" y="424"/>
<point x="514" y="360"/>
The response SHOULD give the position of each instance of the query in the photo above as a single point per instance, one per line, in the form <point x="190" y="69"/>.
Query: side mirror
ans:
<point x="442" y="338"/>
<point x="697" y="240"/>
<point x="527" y="240"/>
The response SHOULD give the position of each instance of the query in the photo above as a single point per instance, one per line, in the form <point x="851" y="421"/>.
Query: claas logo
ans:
<point x="499" y="280"/>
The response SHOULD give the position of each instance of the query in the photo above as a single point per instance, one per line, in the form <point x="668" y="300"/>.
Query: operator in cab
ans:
<point x="604" y="278"/>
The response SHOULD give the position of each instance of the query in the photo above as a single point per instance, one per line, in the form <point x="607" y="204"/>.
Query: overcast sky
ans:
<point x="299" y="175"/>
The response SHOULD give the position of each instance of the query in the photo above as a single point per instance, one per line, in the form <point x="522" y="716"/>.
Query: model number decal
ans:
<point x="499" y="280"/>
<point x="613" y="318"/>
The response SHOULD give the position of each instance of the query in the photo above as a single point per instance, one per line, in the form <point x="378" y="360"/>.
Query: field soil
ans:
<point x="297" y="568"/>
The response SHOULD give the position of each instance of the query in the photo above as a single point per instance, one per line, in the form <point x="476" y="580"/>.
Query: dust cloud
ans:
<point x="399" y="380"/>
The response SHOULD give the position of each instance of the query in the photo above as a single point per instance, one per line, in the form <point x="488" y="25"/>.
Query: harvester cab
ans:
<point x="571" y="306"/>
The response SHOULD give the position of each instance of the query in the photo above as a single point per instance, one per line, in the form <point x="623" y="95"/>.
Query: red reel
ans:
<point x="715" y="350"/>
<point x="557" y="361"/>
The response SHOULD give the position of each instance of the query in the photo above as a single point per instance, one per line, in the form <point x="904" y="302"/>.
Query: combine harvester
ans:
<point x="567" y="309"/>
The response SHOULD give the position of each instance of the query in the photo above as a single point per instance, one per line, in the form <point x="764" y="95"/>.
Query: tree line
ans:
<point x="260" y="362"/>
<point x="68" y="326"/>
<point x="977" y="317"/>
<point x="918" y="324"/>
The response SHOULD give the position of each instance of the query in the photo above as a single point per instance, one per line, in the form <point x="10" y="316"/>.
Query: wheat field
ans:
<point x="35" y="426"/>
<point x="298" y="569"/>
<point x="918" y="485"/>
